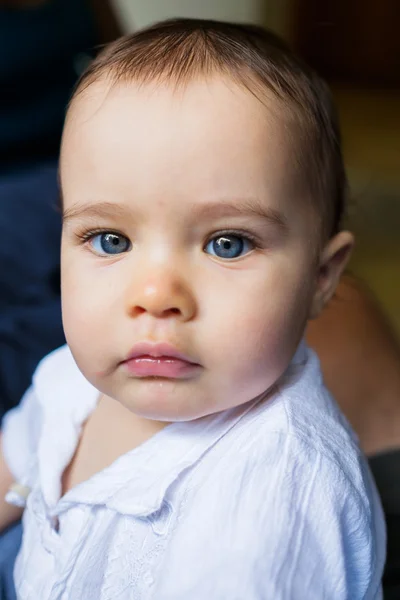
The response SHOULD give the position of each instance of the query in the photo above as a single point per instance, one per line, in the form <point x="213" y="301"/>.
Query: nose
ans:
<point x="161" y="294"/>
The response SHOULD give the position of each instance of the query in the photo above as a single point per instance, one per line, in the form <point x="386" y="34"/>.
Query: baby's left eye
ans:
<point x="229" y="246"/>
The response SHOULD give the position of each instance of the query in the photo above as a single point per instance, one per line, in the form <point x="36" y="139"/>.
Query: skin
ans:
<point x="177" y="169"/>
<point x="360" y="359"/>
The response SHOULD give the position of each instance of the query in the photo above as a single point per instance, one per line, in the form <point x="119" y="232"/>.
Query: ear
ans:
<point x="333" y="261"/>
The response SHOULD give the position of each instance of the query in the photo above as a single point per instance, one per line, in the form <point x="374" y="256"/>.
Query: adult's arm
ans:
<point x="360" y="359"/>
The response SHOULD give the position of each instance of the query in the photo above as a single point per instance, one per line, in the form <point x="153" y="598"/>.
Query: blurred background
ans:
<point x="355" y="45"/>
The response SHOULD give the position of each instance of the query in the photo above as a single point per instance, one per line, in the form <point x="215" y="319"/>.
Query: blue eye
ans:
<point x="110" y="243"/>
<point x="229" y="246"/>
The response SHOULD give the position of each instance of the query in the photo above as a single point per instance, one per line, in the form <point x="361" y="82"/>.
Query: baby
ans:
<point x="183" y="446"/>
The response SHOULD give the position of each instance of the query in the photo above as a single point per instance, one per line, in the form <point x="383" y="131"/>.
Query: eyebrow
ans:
<point x="99" y="210"/>
<point x="239" y="208"/>
<point x="243" y="207"/>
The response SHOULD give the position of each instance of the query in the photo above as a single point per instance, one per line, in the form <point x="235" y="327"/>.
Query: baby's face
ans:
<point x="183" y="230"/>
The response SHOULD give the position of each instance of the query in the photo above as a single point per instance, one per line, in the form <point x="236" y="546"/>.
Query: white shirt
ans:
<point x="269" y="501"/>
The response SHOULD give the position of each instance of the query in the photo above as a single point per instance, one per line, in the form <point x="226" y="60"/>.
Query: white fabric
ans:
<point x="269" y="501"/>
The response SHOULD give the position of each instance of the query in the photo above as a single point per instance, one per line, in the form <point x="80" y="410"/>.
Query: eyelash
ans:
<point x="86" y="236"/>
<point x="237" y="233"/>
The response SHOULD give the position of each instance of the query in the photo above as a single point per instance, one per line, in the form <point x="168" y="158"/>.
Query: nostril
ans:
<point x="175" y="311"/>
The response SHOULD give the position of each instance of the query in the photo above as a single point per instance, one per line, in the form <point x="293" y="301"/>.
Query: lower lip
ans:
<point x="167" y="367"/>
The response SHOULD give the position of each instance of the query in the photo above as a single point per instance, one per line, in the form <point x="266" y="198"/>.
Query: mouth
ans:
<point x="147" y="360"/>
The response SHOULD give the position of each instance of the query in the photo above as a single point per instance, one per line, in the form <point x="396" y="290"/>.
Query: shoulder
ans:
<point x="285" y="519"/>
<point x="293" y="502"/>
<point x="301" y="438"/>
<point x="293" y="464"/>
<point x="311" y="466"/>
<point x="312" y="487"/>
<point x="296" y="422"/>
<point x="59" y="398"/>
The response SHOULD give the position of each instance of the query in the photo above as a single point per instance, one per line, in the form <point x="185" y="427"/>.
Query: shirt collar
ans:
<point x="66" y="399"/>
<point x="137" y="482"/>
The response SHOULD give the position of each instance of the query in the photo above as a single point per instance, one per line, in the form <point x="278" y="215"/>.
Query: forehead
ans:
<point x="210" y="137"/>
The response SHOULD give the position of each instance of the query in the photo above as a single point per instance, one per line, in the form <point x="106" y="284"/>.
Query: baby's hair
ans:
<point x="180" y="50"/>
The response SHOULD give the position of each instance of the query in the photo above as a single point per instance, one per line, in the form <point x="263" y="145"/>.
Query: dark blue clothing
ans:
<point x="30" y="314"/>
<point x="42" y="51"/>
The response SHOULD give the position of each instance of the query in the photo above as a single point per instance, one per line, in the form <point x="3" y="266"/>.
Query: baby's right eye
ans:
<point x="108" y="243"/>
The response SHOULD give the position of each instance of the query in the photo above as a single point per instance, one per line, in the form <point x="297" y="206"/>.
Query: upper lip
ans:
<point x="157" y="350"/>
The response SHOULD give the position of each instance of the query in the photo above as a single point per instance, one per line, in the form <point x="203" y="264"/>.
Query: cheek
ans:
<point x="262" y="321"/>
<point x="85" y="302"/>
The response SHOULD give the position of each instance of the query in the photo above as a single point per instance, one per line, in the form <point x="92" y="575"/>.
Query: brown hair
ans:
<point x="178" y="50"/>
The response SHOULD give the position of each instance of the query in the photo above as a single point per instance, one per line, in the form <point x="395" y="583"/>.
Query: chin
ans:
<point x="165" y="411"/>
